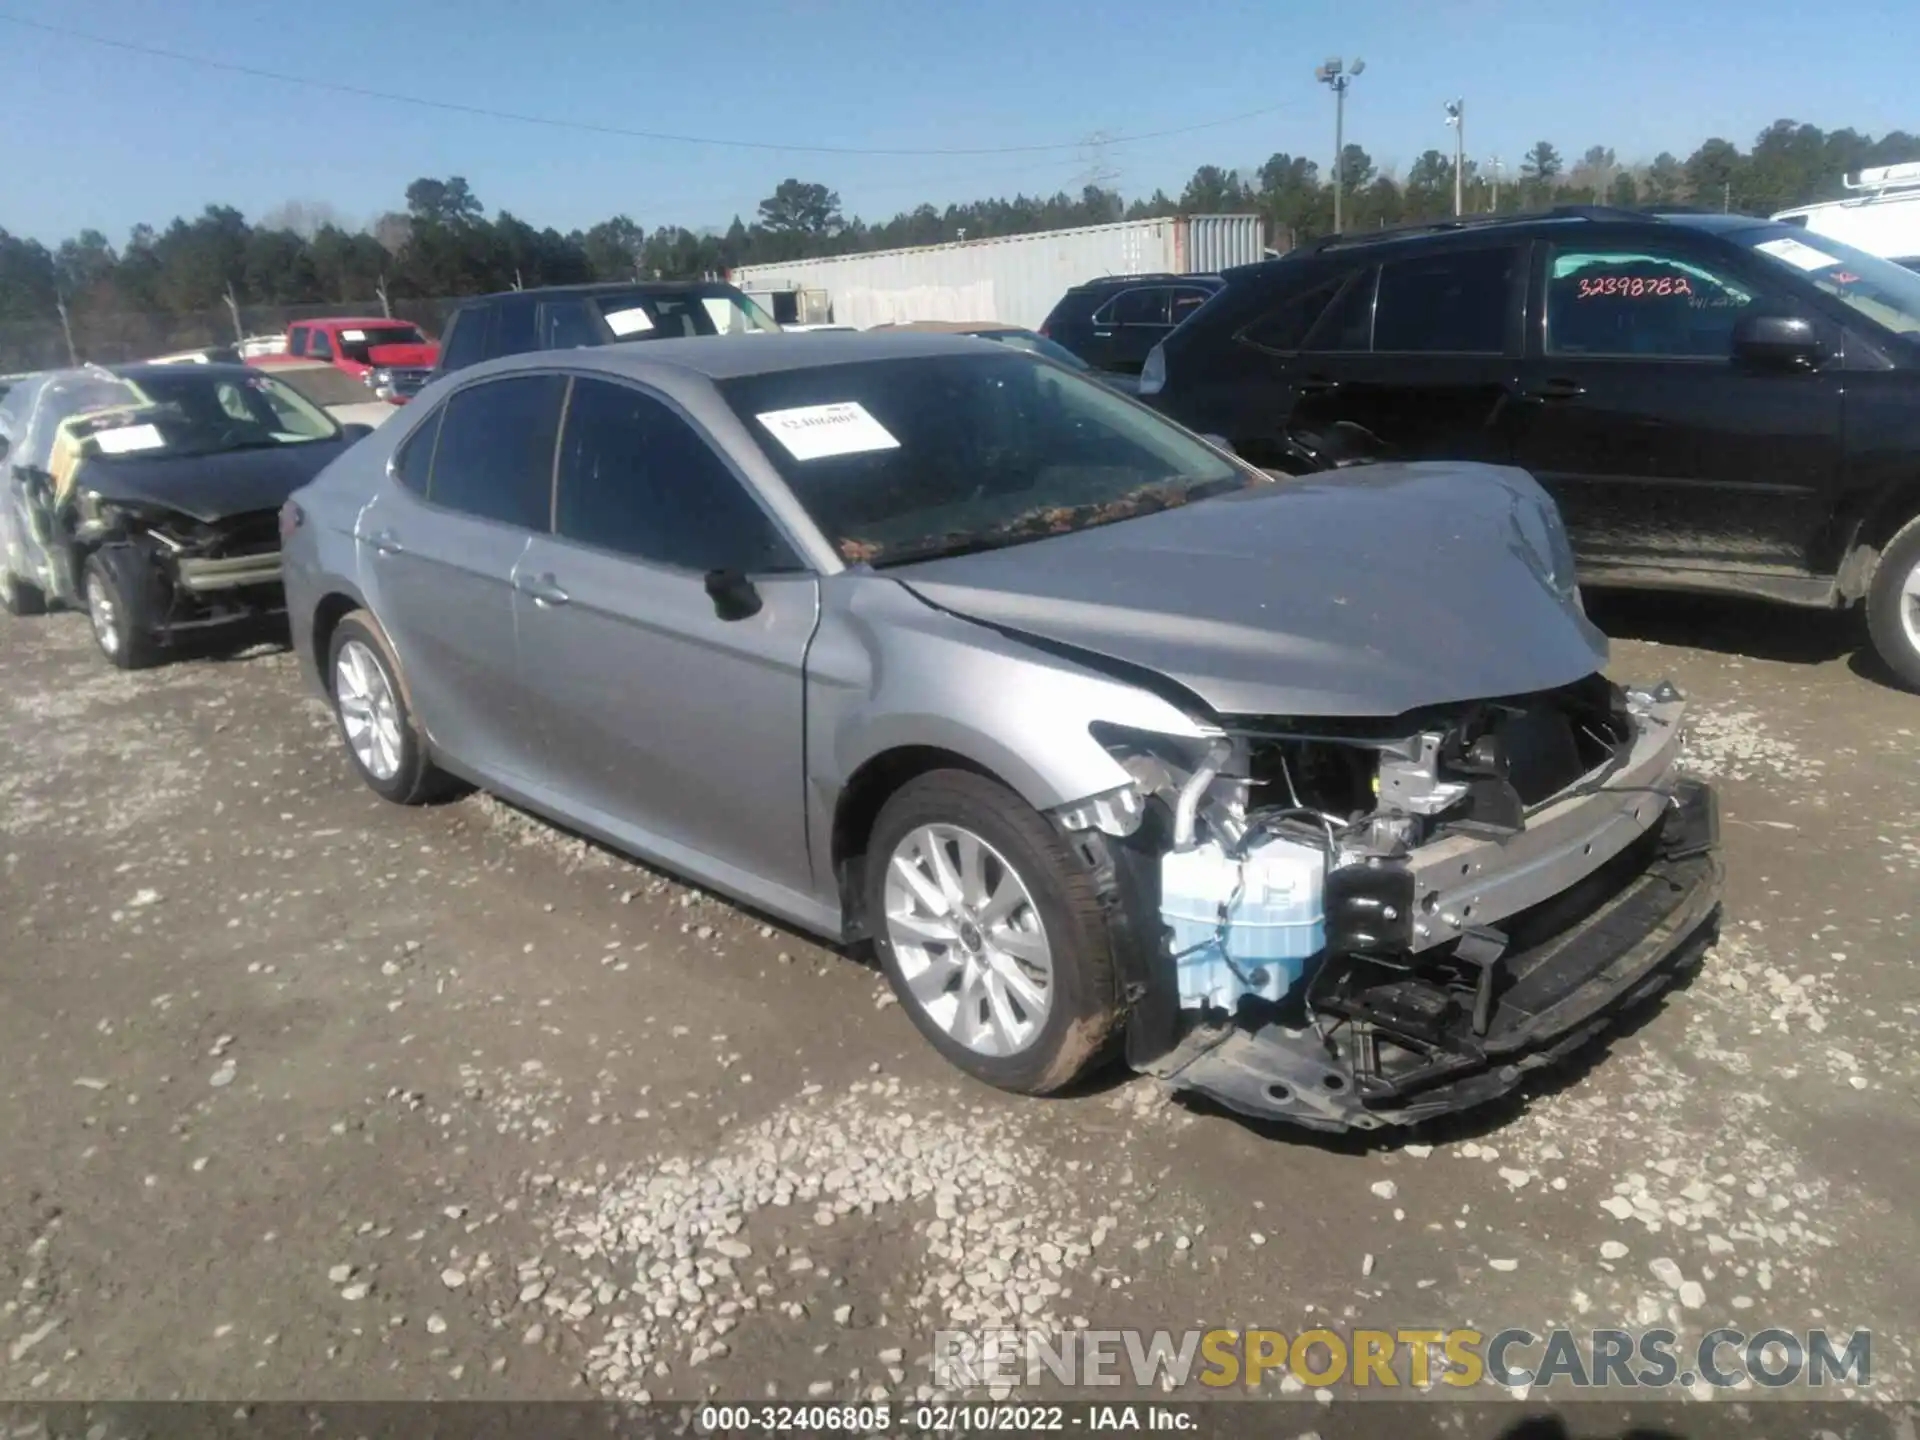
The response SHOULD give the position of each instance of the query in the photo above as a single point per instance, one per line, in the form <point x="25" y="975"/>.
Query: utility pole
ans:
<point x="66" y="327"/>
<point x="1726" y="196"/>
<point x="1337" y="77"/>
<point x="1496" y="186"/>
<point x="233" y="309"/>
<point x="1457" y="119"/>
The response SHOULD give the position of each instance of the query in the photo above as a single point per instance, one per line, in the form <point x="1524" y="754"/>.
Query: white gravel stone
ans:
<point x="453" y="1279"/>
<point x="223" y="1076"/>
<point x="1612" y="1250"/>
<point x="1504" y="1264"/>
<point x="1385" y="1189"/>
<point x="340" y="1274"/>
<point x="436" y="1324"/>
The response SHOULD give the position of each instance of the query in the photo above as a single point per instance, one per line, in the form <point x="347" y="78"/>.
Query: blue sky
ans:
<point x="106" y="138"/>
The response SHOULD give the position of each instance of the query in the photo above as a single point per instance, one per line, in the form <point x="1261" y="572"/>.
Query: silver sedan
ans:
<point x="1308" y="794"/>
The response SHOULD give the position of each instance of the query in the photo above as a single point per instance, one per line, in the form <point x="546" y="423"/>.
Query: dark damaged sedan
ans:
<point x="1308" y="795"/>
<point x="150" y="495"/>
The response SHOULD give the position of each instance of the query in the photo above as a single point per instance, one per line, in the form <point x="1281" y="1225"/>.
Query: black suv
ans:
<point x="1114" y="322"/>
<point x="560" y="317"/>
<point x="1717" y="403"/>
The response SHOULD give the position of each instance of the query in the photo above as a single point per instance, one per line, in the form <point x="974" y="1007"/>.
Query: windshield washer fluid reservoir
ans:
<point x="1274" y="919"/>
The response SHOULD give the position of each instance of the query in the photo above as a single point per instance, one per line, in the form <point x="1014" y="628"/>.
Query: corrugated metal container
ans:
<point x="1015" y="279"/>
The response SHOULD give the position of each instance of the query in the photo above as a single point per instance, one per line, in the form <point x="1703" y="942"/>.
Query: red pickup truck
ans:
<point x="392" y="357"/>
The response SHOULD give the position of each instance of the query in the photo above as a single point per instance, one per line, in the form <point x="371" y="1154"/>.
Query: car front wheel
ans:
<point x="1893" y="605"/>
<point x="370" y="704"/>
<point x="118" y="586"/>
<point x="991" y="933"/>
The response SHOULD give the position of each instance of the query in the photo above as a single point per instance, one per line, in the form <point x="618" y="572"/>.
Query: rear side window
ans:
<point x="297" y="340"/>
<point x="637" y="479"/>
<point x="514" y="332"/>
<point x="494" y="459"/>
<point x="565" y="324"/>
<point x="466" y="339"/>
<point x="414" y="459"/>
<point x="1186" y="300"/>
<point x="320" y="345"/>
<point x="1145" y="306"/>
<point x="1454" y="303"/>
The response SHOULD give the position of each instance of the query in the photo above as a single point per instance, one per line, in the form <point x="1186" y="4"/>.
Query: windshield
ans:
<point x="1878" y="289"/>
<point x="356" y="340"/>
<point x="1036" y="345"/>
<point x="901" y="460"/>
<point x="699" y="310"/>
<point x="206" y="412"/>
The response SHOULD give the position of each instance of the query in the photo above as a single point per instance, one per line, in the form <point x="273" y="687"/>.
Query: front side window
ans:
<point x="1640" y="300"/>
<point x="903" y="460"/>
<point x="319" y="345"/>
<point x="1284" y="327"/>
<point x="1453" y="303"/>
<point x="637" y="479"/>
<point x="297" y="340"/>
<point x="1144" y="306"/>
<point x="466" y="339"/>
<point x="494" y="459"/>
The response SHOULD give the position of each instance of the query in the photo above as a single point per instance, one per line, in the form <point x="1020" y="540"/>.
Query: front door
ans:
<point x="1128" y="326"/>
<point x="464" y="496"/>
<point x="1662" y="449"/>
<point x="679" y="729"/>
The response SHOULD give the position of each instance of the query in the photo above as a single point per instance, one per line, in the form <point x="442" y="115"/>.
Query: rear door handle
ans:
<point x="1316" y="385"/>
<point x="386" y="542"/>
<point x="542" y="589"/>
<point x="1555" y="390"/>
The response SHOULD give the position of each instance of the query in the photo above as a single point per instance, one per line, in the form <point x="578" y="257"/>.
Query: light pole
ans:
<point x="1457" y="118"/>
<point x="1336" y="76"/>
<point x="1495" y="207"/>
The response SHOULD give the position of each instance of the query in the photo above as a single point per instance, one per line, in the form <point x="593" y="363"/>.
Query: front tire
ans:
<point x="991" y="933"/>
<point x="1893" y="605"/>
<point x="370" y="707"/>
<point x="118" y="587"/>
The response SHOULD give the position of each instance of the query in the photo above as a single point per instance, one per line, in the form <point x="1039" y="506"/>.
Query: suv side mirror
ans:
<point x="734" y="596"/>
<point x="1777" y="342"/>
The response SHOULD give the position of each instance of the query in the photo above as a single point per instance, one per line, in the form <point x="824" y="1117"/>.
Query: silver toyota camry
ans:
<point x="1305" y="793"/>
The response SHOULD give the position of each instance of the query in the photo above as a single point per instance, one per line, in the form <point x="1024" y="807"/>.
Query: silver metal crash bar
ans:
<point x="200" y="576"/>
<point x="1463" y="881"/>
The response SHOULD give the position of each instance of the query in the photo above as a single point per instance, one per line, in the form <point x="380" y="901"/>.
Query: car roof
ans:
<point x="142" y="370"/>
<point x="730" y="357"/>
<point x="603" y="287"/>
<point x="1158" y="277"/>
<point x="350" y="320"/>
<point x="950" y="327"/>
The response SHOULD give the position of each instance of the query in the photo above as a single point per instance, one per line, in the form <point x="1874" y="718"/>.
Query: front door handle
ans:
<point x="1316" y="385"/>
<point x="1555" y="390"/>
<point x="542" y="589"/>
<point x="386" y="542"/>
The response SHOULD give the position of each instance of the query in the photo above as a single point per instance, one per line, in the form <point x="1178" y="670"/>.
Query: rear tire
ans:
<point x="997" y="946"/>
<point x="383" y="740"/>
<point x="1893" y="605"/>
<point x="18" y="597"/>
<point x="119" y="589"/>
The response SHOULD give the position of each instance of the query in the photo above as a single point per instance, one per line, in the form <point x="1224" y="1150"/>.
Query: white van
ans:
<point x="1881" y="216"/>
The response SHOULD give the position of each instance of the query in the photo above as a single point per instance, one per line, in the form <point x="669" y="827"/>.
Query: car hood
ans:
<point x="1369" y="592"/>
<point x="405" y="356"/>
<point x="211" y="487"/>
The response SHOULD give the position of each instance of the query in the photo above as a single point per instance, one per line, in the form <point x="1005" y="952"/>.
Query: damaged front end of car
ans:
<point x="202" y="572"/>
<point x="1348" y="925"/>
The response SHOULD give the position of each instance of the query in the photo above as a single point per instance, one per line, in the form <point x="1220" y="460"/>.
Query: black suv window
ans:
<point x="1186" y="300"/>
<point x="1452" y="303"/>
<point x="565" y="324"/>
<point x="465" y="342"/>
<point x="1146" y="305"/>
<point x="1336" y="314"/>
<point x="495" y="456"/>
<point x="1640" y="300"/>
<point x="637" y="479"/>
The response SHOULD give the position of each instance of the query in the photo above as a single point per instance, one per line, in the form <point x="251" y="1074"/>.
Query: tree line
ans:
<point x="443" y="244"/>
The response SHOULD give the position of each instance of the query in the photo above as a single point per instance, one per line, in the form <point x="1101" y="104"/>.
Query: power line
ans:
<point x="454" y="107"/>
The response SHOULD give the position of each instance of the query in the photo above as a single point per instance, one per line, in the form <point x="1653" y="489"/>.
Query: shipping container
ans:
<point x="1015" y="279"/>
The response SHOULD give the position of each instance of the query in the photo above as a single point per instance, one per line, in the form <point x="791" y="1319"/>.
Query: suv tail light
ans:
<point x="1153" y="374"/>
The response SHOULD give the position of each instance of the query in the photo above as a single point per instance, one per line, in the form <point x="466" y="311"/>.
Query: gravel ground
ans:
<point x="314" y="1097"/>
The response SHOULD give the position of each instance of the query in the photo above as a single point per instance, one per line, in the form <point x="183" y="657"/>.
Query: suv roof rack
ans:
<point x="1152" y="276"/>
<point x="1469" y="222"/>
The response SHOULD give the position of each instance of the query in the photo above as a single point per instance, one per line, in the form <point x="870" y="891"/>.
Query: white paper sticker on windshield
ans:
<point x="813" y="432"/>
<point x="353" y="334"/>
<point x="127" y="439"/>
<point x="1797" y="254"/>
<point x="629" y="322"/>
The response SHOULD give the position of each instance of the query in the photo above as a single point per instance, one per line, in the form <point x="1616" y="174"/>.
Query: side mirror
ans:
<point x="733" y="594"/>
<point x="1777" y="342"/>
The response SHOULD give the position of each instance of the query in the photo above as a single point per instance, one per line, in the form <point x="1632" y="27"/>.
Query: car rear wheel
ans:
<point x="370" y="704"/>
<point x="991" y="933"/>
<point x="18" y="597"/>
<point x="117" y="585"/>
<point x="1893" y="605"/>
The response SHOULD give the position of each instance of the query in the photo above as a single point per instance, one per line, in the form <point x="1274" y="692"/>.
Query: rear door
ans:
<point x="464" y="497"/>
<point x="680" y="729"/>
<point x="1127" y="326"/>
<point x="1421" y="352"/>
<point x="1660" y="448"/>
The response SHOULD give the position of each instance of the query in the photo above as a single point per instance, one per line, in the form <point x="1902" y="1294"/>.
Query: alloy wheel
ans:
<point x="104" y="613"/>
<point x="968" y="939"/>
<point x="1910" y="605"/>
<point x="369" y="713"/>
